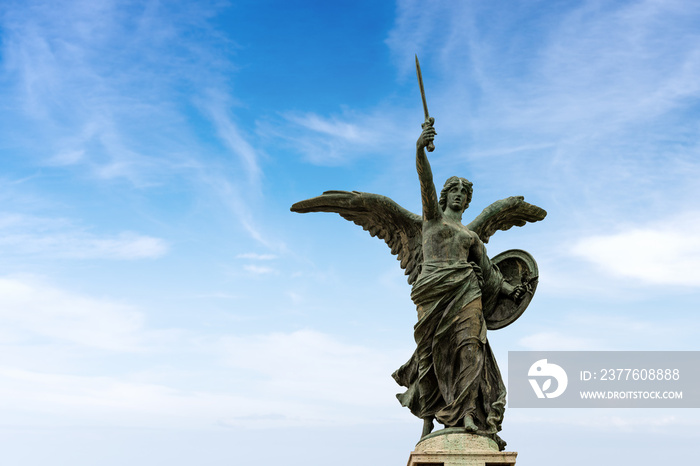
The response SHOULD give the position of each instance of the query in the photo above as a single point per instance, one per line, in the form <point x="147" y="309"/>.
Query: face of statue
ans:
<point x="457" y="198"/>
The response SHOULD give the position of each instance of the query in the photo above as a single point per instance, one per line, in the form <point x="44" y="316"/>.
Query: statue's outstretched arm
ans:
<point x="431" y="207"/>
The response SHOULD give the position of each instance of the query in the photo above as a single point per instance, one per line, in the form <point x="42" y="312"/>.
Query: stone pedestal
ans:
<point x="455" y="447"/>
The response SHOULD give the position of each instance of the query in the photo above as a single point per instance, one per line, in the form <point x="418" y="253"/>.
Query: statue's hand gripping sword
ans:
<point x="428" y="120"/>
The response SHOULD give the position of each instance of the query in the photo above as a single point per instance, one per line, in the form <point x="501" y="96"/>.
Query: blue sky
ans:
<point x="159" y="302"/>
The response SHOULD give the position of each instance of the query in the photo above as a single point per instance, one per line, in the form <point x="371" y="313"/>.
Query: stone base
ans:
<point x="455" y="447"/>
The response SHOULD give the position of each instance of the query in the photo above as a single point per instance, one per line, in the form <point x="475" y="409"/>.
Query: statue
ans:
<point x="459" y="293"/>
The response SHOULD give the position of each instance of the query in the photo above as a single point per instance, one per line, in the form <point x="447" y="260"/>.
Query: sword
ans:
<point x="428" y="120"/>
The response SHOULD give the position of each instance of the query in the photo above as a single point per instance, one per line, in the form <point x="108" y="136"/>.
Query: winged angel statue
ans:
<point x="452" y="376"/>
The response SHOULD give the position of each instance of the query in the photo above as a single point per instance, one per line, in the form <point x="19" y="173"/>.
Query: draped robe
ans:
<point x="453" y="372"/>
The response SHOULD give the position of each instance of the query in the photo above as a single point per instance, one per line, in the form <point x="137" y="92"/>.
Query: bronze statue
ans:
<point x="459" y="293"/>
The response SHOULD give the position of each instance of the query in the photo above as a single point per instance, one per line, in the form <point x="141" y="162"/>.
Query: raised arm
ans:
<point x="431" y="207"/>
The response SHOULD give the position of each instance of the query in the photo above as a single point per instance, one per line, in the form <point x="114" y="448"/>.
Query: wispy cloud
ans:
<point x="337" y="139"/>
<point x="599" y="85"/>
<point x="256" y="256"/>
<point x="333" y="127"/>
<point x="58" y="238"/>
<point x="418" y="29"/>
<point x="237" y="199"/>
<point x="240" y="185"/>
<point x="607" y="67"/>
<point x="97" y="88"/>
<point x="588" y="67"/>
<point x="126" y="246"/>
<point x="259" y="270"/>
<point x="215" y="106"/>
<point x="83" y="90"/>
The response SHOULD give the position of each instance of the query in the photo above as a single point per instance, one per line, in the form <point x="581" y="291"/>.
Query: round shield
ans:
<point x="518" y="268"/>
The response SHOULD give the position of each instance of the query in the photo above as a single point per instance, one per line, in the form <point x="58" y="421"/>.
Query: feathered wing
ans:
<point x="381" y="217"/>
<point x="504" y="214"/>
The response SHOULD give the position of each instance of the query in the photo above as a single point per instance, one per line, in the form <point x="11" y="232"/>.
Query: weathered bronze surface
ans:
<point x="452" y="376"/>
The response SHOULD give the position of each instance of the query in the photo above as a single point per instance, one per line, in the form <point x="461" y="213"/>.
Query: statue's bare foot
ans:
<point x="427" y="426"/>
<point x="469" y="424"/>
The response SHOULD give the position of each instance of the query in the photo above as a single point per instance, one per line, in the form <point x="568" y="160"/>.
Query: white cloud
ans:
<point x="308" y="365"/>
<point x="260" y="381"/>
<point x="31" y="398"/>
<point x="58" y="238"/>
<point x="52" y="399"/>
<point x="664" y="253"/>
<point x="30" y="308"/>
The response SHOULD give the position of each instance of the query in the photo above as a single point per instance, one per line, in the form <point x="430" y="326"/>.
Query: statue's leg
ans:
<point x="458" y="353"/>
<point x="427" y="426"/>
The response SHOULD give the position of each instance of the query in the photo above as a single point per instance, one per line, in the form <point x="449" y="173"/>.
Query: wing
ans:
<point x="381" y="217"/>
<point x="504" y="214"/>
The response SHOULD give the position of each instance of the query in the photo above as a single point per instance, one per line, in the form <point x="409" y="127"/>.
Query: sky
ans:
<point x="160" y="304"/>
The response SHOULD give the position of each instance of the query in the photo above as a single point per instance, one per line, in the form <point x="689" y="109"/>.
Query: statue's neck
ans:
<point x="453" y="215"/>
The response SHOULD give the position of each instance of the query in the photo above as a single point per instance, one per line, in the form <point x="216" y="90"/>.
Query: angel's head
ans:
<point x="456" y="185"/>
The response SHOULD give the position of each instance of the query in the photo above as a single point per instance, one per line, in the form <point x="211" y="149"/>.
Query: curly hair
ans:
<point x="452" y="182"/>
